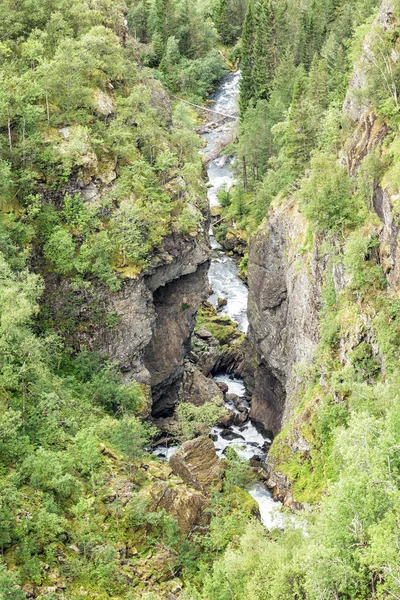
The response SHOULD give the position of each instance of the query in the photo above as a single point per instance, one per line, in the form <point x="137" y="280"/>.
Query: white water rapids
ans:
<point x="223" y="276"/>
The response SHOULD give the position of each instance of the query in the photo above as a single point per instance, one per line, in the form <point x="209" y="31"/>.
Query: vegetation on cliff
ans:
<point x="96" y="171"/>
<point x="297" y="145"/>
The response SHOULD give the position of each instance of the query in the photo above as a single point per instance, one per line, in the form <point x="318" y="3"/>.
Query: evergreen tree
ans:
<point x="161" y="15"/>
<point x="220" y="18"/>
<point x="228" y="17"/>
<point x="265" y="55"/>
<point x="184" y="28"/>
<point x="160" y="34"/>
<point x="299" y="139"/>
<point x="137" y="20"/>
<point x="247" y="62"/>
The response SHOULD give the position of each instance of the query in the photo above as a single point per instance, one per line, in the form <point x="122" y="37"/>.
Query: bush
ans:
<point x="191" y="418"/>
<point x="327" y="198"/>
<point x="358" y="263"/>
<point x="60" y="250"/>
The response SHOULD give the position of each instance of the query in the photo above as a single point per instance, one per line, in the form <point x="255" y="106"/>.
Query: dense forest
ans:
<point x="101" y="186"/>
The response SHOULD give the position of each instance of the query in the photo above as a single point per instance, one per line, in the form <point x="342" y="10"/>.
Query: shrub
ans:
<point x="326" y="196"/>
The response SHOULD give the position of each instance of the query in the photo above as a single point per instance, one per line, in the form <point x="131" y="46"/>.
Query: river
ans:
<point x="224" y="280"/>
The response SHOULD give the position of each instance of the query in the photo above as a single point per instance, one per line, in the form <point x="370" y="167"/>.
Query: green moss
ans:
<point x="222" y="327"/>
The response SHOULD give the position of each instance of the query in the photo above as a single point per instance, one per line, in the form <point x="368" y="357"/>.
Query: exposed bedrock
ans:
<point x="286" y="271"/>
<point x="284" y="296"/>
<point x="175" y="306"/>
<point x="146" y="326"/>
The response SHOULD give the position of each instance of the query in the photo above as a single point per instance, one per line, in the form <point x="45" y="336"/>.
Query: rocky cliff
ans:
<point x="285" y="278"/>
<point x="146" y="326"/>
<point x="289" y="266"/>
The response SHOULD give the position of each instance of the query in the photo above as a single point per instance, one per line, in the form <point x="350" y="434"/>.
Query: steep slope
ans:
<point x="322" y="307"/>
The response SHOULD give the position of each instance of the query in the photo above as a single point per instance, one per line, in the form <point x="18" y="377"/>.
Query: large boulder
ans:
<point x="197" y="463"/>
<point x="197" y="388"/>
<point x="186" y="505"/>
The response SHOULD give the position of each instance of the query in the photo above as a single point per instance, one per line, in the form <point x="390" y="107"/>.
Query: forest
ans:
<point x="100" y="168"/>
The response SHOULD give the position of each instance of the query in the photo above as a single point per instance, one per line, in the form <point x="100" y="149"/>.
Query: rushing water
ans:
<point x="244" y="437"/>
<point x="223" y="273"/>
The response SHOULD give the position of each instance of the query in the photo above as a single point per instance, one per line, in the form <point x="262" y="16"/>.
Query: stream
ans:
<point x="246" y="439"/>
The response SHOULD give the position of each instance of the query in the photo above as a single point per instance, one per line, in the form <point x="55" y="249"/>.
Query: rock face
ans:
<point x="196" y="462"/>
<point x="286" y="271"/>
<point x="284" y="295"/>
<point x="175" y="305"/>
<point x="153" y="317"/>
<point x="197" y="388"/>
<point x="368" y="134"/>
<point x="186" y="505"/>
<point x="356" y="104"/>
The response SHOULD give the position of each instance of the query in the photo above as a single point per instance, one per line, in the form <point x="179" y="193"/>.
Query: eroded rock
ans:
<point x="197" y="388"/>
<point x="186" y="505"/>
<point x="196" y="462"/>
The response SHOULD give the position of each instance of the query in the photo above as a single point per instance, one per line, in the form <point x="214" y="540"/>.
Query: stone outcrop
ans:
<point x="153" y="317"/>
<point x="196" y="462"/>
<point x="286" y="271"/>
<point x="356" y="103"/>
<point x="217" y="343"/>
<point x="284" y="297"/>
<point x="197" y="388"/>
<point x="368" y="134"/>
<point x="186" y="505"/>
<point x="175" y="304"/>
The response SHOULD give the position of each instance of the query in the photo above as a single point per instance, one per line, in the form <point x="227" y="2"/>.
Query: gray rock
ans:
<point x="222" y="386"/>
<point x="197" y="388"/>
<point x="231" y="435"/>
<point x="204" y="333"/>
<point x="175" y="305"/>
<point x="221" y="302"/>
<point x="196" y="462"/>
<point x="283" y="309"/>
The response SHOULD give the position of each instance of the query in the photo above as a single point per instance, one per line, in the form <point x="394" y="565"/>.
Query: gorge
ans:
<point x="199" y="300"/>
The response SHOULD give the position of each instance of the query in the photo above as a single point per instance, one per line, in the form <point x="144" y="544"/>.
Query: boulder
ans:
<point x="203" y="333"/>
<point x="234" y="398"/>
<point x="196" y="462"/>
<point x="221" y="302"/>
<point x="197" y="388"/>
<point x="227" y="420"/>
<point x="157" y="567"/>
<point x="186" y="505"/>
<point x="240" y="418"/>
<point x="222" y="386"/>
<point x="231" y="435"/>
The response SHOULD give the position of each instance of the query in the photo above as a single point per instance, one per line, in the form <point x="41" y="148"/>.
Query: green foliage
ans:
<point x="238" y="472"/>
<point x="222" y="328"/>
<point x="192" y="420"/>
<point x="327" y="196"/>
<point x="342" y="549"/>
<point x="360" y="264"/>
<point x="247" y="45"/>
<point x="73" y="110"/>
<point x="297" y="59"/>
<point x="9" y="588"/>
<point x="228" y="16"/>
<point x="59" y="250"/>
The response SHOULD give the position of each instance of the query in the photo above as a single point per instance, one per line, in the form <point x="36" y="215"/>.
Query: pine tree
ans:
<point x="299" y="138"/>
<point x="184" y="29"/>
<point x="161" y="11"/>
<point x="219" y="14"/>
<point x="247" y="90"/>
<point x="228" y="16"/>
<point x="264" y="49"/>
<point x="160" y="33"/>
